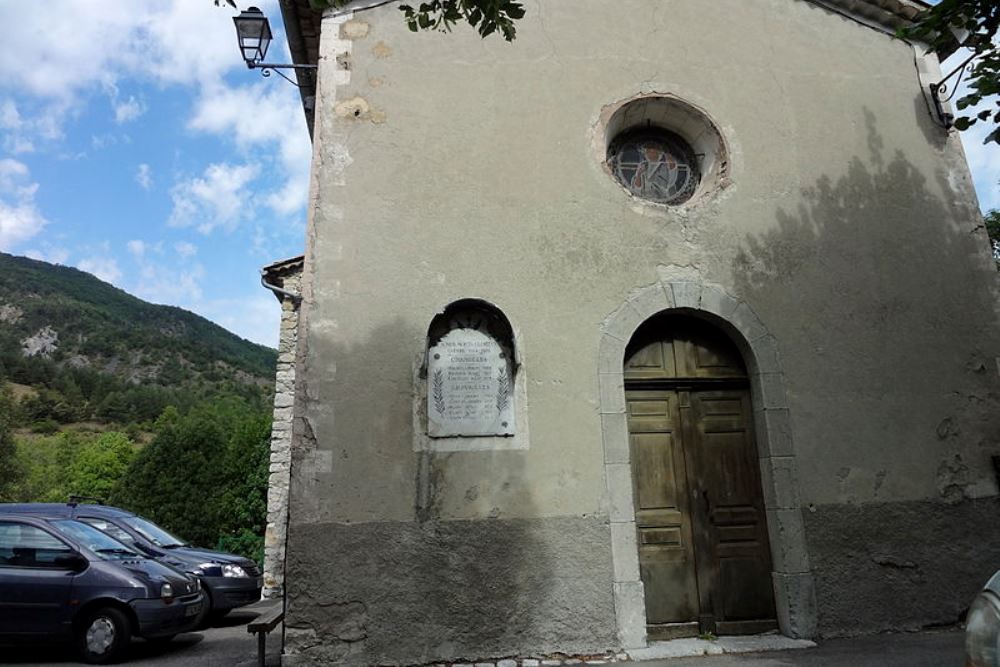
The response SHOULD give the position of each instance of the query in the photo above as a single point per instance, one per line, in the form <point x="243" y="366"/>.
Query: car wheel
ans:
<point x="103" y="635"/>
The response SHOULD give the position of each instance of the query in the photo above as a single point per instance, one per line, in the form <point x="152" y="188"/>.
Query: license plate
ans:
<point x="193" y="610"/>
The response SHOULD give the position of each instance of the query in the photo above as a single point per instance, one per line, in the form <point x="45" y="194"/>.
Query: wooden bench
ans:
<point x="268" y="619"/>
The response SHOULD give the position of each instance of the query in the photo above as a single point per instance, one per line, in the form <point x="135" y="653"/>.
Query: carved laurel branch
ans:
<point x="437" y="391"/>
<point x="503" y="390"/>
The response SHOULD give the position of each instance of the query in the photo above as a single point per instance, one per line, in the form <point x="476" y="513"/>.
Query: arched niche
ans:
<point x="470" y="367"/>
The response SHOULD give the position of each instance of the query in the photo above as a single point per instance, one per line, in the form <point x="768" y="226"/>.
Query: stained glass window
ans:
<point x="656" y="165"/>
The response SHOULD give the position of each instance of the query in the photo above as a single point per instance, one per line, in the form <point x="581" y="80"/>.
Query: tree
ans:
<point x="970" y="24"/>
<point x="204" y="476"/>
<point x="244" y="500"/>
<point x="99" y="465"/>
<point x="177" y="479"/>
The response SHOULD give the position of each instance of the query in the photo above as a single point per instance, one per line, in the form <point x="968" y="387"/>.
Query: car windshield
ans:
<point x="105" y="546"/>
<point x="109" y="528"/>
<point x="154" y="533"/>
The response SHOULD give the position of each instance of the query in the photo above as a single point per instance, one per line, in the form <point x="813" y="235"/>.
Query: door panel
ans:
<point x="703" y="551"/>
<point x="666" y="558"/>
<point x="729" y="476"/>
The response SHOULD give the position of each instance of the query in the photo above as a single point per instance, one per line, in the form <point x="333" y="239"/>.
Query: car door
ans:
<point x="35" y="585"/>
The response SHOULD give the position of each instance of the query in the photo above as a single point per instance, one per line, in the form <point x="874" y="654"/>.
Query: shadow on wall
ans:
<point x="422" y="588"/>
<point x="894" y="309"/>
<point x="878" y="272"/>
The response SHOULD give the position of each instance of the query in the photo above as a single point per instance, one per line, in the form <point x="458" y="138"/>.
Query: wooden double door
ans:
<point x="703" y="547"/>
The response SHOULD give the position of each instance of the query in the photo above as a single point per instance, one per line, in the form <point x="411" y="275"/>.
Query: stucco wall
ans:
<point x="449" y="167"/>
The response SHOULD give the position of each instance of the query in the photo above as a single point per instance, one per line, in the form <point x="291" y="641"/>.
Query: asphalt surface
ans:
<point x="225" y="644"/>
<point x="229" y="644"/>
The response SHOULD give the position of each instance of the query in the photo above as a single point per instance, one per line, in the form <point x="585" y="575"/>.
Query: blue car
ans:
<point x="228" y="580"/>
<point x="64" y="579"/>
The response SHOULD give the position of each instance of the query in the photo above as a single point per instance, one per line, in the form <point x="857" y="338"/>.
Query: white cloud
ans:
<point x="10" y="117"/>
<point x="144" y="176"/>
<point x="219" y="198"/>
<point x="85" y="47"/>
<point x="137" y="248"/>
<point x="224" y="111"/>
<point x="12" y="176"/>
<point x="20" y="219"/>
<point x="13" y="126"/>
<point x="103" y="266"/>
<point x="18" y="223"/>
<point x="128" y="110"/>
<point x="185" y="249"/>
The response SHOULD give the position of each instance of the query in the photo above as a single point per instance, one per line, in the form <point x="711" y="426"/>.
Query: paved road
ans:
<point x="922" y="649"/>
<point x="227" y="644"/>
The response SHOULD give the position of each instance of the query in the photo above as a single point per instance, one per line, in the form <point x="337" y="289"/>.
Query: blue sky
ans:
<point x="135" y="144"/>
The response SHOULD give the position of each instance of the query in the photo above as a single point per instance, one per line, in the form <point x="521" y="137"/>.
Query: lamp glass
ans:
<point x="254" y="34"/>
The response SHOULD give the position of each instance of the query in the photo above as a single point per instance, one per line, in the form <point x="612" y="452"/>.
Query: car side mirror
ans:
<point x="73" y="561"/>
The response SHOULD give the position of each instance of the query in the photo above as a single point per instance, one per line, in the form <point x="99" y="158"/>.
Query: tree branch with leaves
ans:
<point x="486" y="16"/>
<point x="972" y="25"/>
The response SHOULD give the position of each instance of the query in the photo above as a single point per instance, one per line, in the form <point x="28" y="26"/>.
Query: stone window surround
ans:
<point x="794" y="591"/>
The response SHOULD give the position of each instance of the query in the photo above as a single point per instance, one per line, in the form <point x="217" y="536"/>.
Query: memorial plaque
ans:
<point x="470" y="386"/>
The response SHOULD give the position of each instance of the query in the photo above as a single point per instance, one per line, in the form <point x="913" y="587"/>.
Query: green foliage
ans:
<point x="45" y="426"/>
<point x="976" y="22"/>
<point x="486" y="16"/>
<point x="99" y="465"/>
<point x="104" y="323"/>
<point x="10" y="469"/>
<point x="992" y="221"/>
<point x="53" y="468"/>
<point x="204" y="476"/>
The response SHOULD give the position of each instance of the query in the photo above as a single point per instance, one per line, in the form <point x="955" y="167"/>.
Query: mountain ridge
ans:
<point x="62" y="326"/>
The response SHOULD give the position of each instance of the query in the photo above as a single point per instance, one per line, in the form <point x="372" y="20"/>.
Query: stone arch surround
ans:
<point x="794" y="591"/>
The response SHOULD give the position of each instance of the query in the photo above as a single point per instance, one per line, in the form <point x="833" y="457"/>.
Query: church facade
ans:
<point x="668" y="318"/>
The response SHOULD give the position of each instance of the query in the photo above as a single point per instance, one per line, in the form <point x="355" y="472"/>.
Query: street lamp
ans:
<point x="253" y="31"/>
<point x="254" y="34"/>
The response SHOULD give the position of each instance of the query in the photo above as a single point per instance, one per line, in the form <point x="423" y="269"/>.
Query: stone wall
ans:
<point x="281" y="440"/>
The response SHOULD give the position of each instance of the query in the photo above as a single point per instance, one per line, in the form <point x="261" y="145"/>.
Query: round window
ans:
<point x="655" y="164"/>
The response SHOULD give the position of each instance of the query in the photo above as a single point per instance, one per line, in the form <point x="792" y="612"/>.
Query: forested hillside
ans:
<point x="88" y="350"/>
<point x="149" y="407"/>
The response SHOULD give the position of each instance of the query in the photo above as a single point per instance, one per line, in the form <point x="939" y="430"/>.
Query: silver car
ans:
<point x="982" y="627"/>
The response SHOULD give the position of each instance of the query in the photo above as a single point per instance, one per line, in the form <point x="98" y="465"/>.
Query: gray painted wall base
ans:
<point x="900" y="566"/>
<point x="408" y="593"/>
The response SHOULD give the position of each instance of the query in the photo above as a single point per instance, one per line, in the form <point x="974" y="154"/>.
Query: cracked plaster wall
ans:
<point x="448" y="167"/>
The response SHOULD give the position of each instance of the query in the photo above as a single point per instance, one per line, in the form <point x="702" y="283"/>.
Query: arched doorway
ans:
<point x="704" y="558"/>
